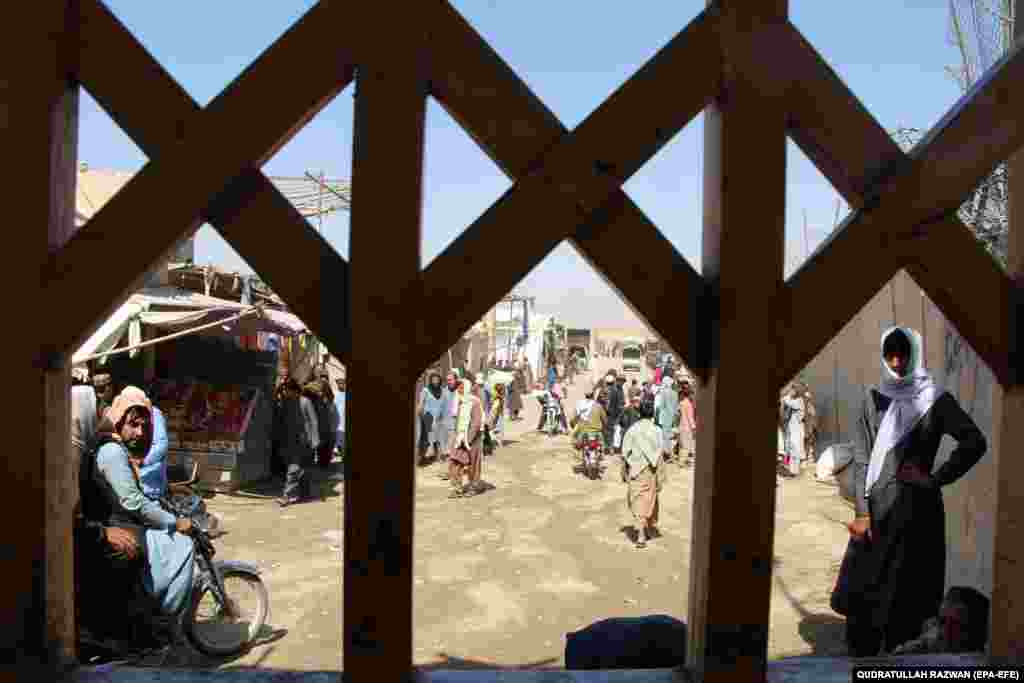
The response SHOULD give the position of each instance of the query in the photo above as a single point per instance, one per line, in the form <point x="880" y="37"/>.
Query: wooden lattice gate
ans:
<point x="741" y="61"/>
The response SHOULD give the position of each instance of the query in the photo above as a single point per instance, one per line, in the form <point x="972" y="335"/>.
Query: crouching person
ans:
<point x="113" y="497"/>
<point x="961" y="626"/>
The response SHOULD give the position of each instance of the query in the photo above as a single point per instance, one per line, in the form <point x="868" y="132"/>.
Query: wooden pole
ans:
<point x="387" y="175"/>
<point x="1006" y="640"/>
<point x="39" y="133"/>
<point x="732" y="535"/>
<point x="807" y="239"/>
<point x="320" y="202"/>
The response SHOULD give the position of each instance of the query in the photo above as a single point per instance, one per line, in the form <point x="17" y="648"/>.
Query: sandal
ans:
<point x="640" y="545"/>
<point x="457" y="493"/>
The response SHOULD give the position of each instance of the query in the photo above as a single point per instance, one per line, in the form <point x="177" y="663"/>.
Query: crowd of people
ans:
<point x="648" y="424"/>
<point x="308" y="431"/>
<point x="892" y="581"/>
<point x="463" y="418"/>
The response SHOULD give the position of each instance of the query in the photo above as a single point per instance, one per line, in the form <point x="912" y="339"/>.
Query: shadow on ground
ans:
<point x="325" y="483"/>
<point x="823" y="631"/>
<point x="186" y="656"/>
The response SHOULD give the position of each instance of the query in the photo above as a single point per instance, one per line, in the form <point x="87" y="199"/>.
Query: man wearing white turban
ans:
<point x="898" y="535"/>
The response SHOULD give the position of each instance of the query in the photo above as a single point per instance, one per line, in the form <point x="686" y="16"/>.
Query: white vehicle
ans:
<point x="632" y="358"/>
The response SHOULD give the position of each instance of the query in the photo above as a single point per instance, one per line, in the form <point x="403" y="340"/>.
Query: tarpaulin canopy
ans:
<point x="276" y="322"/>
<point x="175" y="311"/>
<point x="110" y="331"/>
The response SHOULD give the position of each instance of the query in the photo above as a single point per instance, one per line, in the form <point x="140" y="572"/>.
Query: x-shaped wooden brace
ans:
<point x="202" y="154"/>
<point x="562" y="173"/>
<point x="895" y="224"/>
<point x="568" y="185"/>
<point x="896" y="195"/>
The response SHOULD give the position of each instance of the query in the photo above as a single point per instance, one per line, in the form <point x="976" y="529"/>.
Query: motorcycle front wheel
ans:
<point x="218" y="631"/>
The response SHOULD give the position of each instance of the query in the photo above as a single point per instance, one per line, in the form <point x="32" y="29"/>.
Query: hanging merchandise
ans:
<point x="246" y="298"/>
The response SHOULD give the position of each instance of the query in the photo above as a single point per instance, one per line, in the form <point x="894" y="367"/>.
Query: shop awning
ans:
<point x="276" y="322"/>
<point x="188" y="310"/>
<point x="111" y="331"/>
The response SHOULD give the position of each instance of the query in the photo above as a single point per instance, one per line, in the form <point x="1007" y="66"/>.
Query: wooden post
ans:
<point x="387" y="170"/>
<point x="39" y="131"/>
<point x="734" y="491"/>
<point x="1006" y="639"/>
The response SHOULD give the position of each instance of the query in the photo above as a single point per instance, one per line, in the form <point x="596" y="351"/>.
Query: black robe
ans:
<point x="899" y="579"/>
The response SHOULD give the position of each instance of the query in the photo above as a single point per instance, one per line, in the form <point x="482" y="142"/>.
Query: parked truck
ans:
<point x="633" y="358"/>
<point x="578" y="342"/>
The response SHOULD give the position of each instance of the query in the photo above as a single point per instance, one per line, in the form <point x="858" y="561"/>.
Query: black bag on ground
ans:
<point x="657" y="641"/>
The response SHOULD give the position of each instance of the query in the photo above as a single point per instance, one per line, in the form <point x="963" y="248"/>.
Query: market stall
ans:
<point x="210" y="365"/>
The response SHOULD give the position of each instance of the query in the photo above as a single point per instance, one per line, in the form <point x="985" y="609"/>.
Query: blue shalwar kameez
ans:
<point x="169" y="554"/>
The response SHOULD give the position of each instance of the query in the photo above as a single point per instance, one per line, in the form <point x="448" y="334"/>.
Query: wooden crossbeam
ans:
<point x="911" y="227"/>
<point x="570" y="175"/>
<point x="387" y="178"/>
<point x="674" y="295"/>
<point x="213" y="151"/>
<point x="249" y="212"/>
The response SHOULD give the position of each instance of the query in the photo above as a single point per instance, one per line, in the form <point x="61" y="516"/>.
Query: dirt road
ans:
<point x="501" y="577"/>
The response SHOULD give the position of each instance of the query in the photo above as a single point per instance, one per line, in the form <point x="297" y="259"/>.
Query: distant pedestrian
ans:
<point x="614" y="407"/>
<point x="687" y="423"/>
<point x="517" y="389"/>
<point x="299" y="441"/>
<point x="630" y="416"/>
<point x="329" y="424"/>
<point x="465" y="457"/>
<point x="496" y="416"/>
<point x="643" y="470"/>
<point x="340" y="404"/>
<point x="451" y="413"/>
<point x="794" y="410"/>
<point x="666" y="412"/>
<point x="431" y="411"/>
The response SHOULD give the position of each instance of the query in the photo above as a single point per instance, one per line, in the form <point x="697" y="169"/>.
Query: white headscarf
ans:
<point x="912" y="396"/>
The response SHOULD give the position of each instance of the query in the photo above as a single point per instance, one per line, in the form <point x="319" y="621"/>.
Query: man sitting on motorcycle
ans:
<point x="112" y="497"/>
<point x="551" y="398"/>
<point x="590" y="420"/>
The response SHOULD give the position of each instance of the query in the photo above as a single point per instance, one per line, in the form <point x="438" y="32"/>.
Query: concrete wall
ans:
<point x="837" y="378"/>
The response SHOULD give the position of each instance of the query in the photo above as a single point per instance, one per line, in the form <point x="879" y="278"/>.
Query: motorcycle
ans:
<point x="228" y="608"/>
<point x="552" y="423"/>
<point x="592" y="456"/>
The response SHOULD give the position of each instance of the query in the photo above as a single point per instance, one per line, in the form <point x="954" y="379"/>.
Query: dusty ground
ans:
<point x="501" y="577"/>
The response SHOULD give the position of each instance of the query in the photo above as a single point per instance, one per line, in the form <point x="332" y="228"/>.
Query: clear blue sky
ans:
<point x="573" y="53"/>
